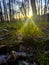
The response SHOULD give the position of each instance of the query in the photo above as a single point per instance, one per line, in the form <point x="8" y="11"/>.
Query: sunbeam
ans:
<point x="29" y="28"/>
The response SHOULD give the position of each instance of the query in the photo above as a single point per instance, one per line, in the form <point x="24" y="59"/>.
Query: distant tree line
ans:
<point x="7" y="10"/>
<point x="41" y="8"/>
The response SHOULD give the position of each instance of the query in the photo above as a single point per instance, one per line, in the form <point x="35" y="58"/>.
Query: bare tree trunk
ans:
<point x="28" y="7"/>
<point x="5" y="10"/>
<point x="1" y="16"/>
<point x="10" y="9"/>
<point x="48" y="13"/>
<point x="13" y="9"/>
<point x="41" y="7"/>
<point x="33" y="4"/>
<point x="23" y="9"/>
<point x="45" y="8"/>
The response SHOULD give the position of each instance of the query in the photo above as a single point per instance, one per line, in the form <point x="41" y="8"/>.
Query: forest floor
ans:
<point x="14" y="26"/>
<point x="9" y="30"/>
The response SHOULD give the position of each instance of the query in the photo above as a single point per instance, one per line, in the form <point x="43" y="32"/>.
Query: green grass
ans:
<point x="12" y="29"/>
<point x="27" y="27"/>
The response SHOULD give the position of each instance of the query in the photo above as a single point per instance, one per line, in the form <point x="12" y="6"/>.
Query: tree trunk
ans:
<point x="45" y="8"/>
<point x="10" y="9"/>
<point x="1" y="16"/>
<point x="5" y="10"/>
<point x="41" y="7"/>
<point x="33" y="4"/>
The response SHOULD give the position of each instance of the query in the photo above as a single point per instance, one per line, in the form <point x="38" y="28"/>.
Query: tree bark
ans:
<point x="5" y="10"/>
<point x="33" y="4"/>
<point x="1" y="16"/>
<point x="10" y="10"/>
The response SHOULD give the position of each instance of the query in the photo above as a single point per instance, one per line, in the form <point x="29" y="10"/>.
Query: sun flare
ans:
<point x="30" y="15"/>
